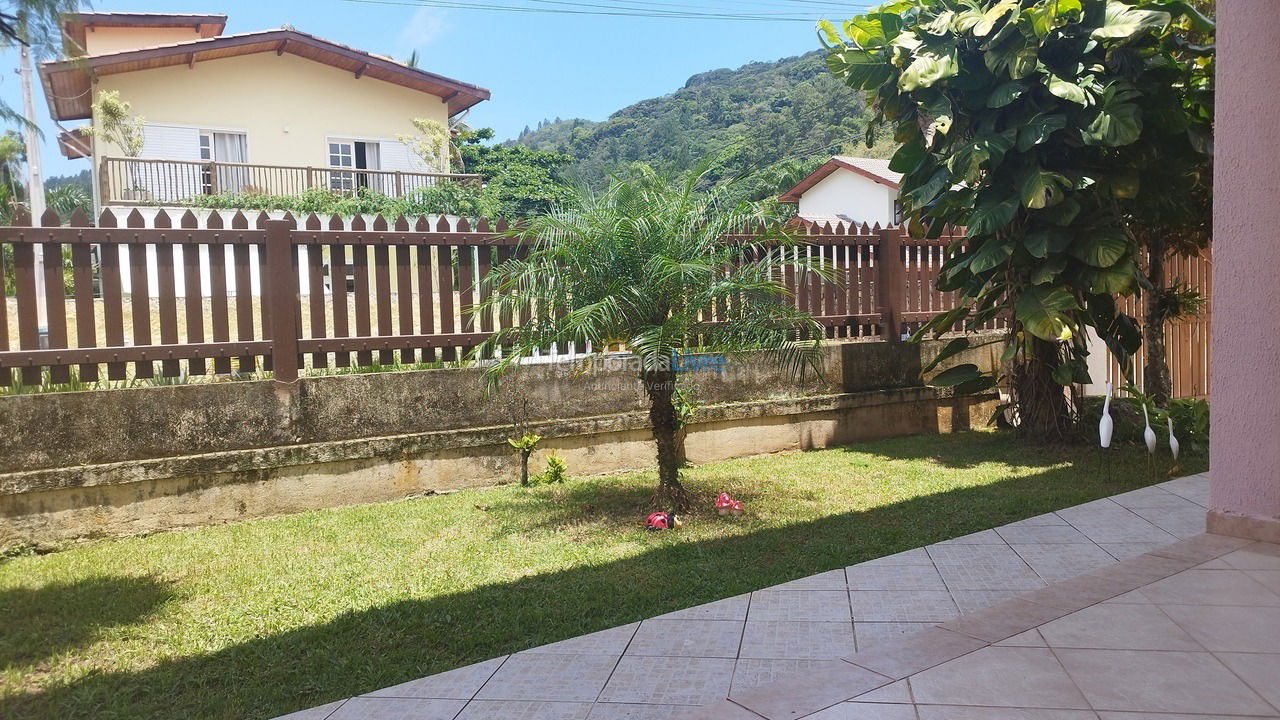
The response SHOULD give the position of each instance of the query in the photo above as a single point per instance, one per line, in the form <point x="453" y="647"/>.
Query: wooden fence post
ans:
<point x="280" y="293"/>
<point x="891" y="281"/>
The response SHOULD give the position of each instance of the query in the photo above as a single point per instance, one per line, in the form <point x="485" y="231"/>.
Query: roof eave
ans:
<point x="461" y="96"/>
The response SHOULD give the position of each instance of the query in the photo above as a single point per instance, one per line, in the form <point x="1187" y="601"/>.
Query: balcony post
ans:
<point x="399" y="184"/>
<point x="213" y="178"/>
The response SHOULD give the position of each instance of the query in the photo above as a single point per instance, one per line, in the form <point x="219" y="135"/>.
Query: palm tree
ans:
<point x="647" y="262"/>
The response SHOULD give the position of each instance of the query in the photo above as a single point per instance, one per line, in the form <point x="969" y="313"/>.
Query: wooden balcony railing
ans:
<point x="139" y="181"/>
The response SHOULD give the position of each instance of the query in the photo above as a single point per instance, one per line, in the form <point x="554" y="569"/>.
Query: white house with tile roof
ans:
<point x="849" y="189"/>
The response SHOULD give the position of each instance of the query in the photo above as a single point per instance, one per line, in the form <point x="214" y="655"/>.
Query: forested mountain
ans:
<point x="772" y="122"/>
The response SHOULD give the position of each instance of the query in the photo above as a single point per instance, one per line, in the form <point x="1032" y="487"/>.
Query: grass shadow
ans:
<point x="61" y="617"/>
<point x="364" y="650"/>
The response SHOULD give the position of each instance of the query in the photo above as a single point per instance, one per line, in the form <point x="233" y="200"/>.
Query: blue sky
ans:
<point x="537" y="65"/>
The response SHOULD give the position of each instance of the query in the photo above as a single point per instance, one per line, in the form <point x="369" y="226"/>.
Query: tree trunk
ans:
<point x="1044" y="414"/>
<point x="1156" y="382"/>
<point x="524" y="467"/>
<point x="660" y="385"/>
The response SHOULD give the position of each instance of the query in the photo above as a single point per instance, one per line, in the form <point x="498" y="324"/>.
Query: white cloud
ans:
<point x="422" y="29"/>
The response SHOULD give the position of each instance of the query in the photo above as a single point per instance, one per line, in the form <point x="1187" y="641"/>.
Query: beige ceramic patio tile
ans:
<point x="1124" y="551"/>
<point x="721" y="710"/>
<point x="1142" y="570"/>
<point x="895" y="692"/>
<point x="566" y="678"/>
<point x="460" y="684"/>
<point x="1059" y="562"/>
<point x="1045" y="519"/>
<point x="1030" y="638"/>
<point x="524" y="710"/>
<point x="799" y="605"/>
<point x="1117" y="627"/>
<point x="1269" y="578"/>
<point x="687" y="638"/>
<point x="1193" y="487"/>
<point x="1255" y="557"/>
<point x="999" y="677"/>
<point x="830" y="580"/>
<point x="669" y="681"/>
<point x="1042" y="534"/>
<point x="956" y="712"/>
<point x="894" y="577"/>
<point x="990" y="576"/>
<point x="1121" y="527"/>
<point x="983" y="537"/>
<point x="1133" y="597"/>
<point x="1004" y="620"/>
<point x="636" y="711"/>
<point x="902" y="605"/>
<point x="606" y="642"/>
<point x="367" y="708"/>
<point x="1146" y="681"/>
<point x="945" y="554"/>
<point x="1260" y="672"/>
<point x="1210" y="587"/>
<point x="914" y="556"/>
<point x="733" y="608"/>
<point x="1151" y="497"/>
<point x="797" y="640"/>
<point x="1112" y="715"/>
<point x="755" y="672"/>
<point x="1229" y="628"/>
<point x="974" y="600"/>
<point x="1184" y="522"/>
<point x="820" y="687"/>
<point x="1201" y="548"/>
<point x="1214" y="564"/>
<point x="865" y="711"/>
<point x="1077" y="592"/>
<point x="871" y="633"/>
<point x="320" y="712"/>
<point x="916" y="652"/>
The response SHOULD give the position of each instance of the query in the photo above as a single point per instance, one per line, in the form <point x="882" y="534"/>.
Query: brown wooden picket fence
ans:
<point x="180" y="296"/>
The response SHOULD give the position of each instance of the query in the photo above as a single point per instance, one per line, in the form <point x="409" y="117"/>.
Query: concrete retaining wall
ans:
<point x="138" y="460"/>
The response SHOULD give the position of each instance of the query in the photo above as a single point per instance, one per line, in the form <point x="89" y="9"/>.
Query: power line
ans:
<point x="598" y="9"/>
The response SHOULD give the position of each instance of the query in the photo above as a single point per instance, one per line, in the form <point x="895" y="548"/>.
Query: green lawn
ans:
<point x="260" y="618"/>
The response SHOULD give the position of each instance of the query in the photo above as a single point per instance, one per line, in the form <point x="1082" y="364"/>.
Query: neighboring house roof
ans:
<point x="75" y="25"/>
<point x="872" y="168"/>
<point x="76" y="143"/>
<point x="68" y="83"/>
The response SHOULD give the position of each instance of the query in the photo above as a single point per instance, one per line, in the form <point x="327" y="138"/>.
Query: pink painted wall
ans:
<point x="1245" y="390"/>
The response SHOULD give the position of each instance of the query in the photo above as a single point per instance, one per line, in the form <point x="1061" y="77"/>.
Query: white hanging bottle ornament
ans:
<point x="1106" y="426"/>
<point x="1173" y="441"/>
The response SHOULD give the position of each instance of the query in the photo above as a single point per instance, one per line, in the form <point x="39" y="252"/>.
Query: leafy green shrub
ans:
<point x="525" y="445"/>
<point x="451" y="198"/>
<point x="556" y="470"/>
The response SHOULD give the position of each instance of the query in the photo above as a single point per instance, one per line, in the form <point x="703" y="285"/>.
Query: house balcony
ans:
<point x="145" y="181"/>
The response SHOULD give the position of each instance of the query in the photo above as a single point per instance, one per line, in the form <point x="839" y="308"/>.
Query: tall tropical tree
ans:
<point x="35" y="24"/>
<point x="1041" y="125"/>
<point x="647" y="262"/>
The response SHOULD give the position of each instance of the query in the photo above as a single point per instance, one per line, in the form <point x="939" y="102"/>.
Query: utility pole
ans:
<point x="35" y="177"/>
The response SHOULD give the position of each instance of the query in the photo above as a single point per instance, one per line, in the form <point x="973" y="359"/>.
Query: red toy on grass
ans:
<point x="662" y="521"/>
<point x="724" y="504"/>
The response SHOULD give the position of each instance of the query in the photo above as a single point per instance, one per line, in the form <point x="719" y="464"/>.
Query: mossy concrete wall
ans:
<point x="139" y="460"/>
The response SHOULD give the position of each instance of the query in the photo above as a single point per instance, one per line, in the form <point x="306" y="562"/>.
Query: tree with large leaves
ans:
<point x="646" y="262"/>
<point x="1034" y="123"/>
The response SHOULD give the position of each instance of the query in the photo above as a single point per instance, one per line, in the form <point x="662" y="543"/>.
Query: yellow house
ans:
<point x="274" y="111"/>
